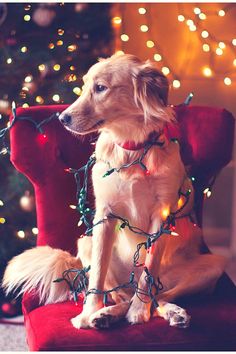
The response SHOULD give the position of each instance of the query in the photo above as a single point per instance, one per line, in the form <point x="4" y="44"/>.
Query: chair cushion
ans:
<point x="212" y="327"/>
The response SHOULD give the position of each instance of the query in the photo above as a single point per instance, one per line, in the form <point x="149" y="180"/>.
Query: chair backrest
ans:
<point x="206" y="140"/>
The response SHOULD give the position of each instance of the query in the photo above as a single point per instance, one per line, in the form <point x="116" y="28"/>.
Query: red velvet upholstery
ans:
<point x="206" y="137"/>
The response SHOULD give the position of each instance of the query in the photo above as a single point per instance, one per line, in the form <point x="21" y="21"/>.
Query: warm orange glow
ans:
<point x="116" y="20"/>
<point x="180" y="202"/>
<point x="207" y="71"/>
<point x="165" y="212"/>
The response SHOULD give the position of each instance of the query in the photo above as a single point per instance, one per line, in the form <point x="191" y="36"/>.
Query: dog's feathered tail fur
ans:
<point x="35" y="269"/>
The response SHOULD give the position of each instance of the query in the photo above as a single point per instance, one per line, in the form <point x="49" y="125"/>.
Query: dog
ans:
<point x="126" y="101"/>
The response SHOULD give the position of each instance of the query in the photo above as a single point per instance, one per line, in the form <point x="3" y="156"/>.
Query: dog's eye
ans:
<point x="100" y="88"/>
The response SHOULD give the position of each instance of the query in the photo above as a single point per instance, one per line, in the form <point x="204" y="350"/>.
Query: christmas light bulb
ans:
<point x="39" y="99"/>
<point x="27" y="18"/>
<point x="204" y="34"/>
<point x="234" y="41"/>
<point x="222" y="45"/>
<point x="176" y="83"/>
<point x="59" y="43"/>
<point x="1" y="203"/>
<point x="124" y="37"/>
<point x="206" y="47"/>
<point x="9" y="60"/>
<point x="120" y="52"/>
<point x="157" y="57"/>
<point x="77" y="91"/>
<point x="165" y="70"/>
<point x="180" y="202"/>
<point x="197" y="11"/>
<point x="221" y="13"/>
<point x="227" y="81"/>
<point x="35" y="230"/>
<point x="142" y="10"/>
<point x="165" y="212"/>
<point x="13" y="105"/>
<point x="219" y="51"/>
<point x="192" y="28"/>
<point x="143" y="28"/>
<point x="3" y="151"/>
<point x="21" y="234"/>
<point x="2" y="220"/>
<point x="72" y="48"/>
<point x="72" y="206"/>
<point x="116" y="20"/>
<point x="28" y="78"/>
<point x="207" y="71"/>
<point x="41" y="67"/>
<point x="60" y="32"/>
<point x="80" y="223"/>
<point x="57" y="67"/>
<point x="24" y="49"/>
<point x="181" y="18"/>
<point x="51" y="46"/>
<point x="150" y="44"/>
<point x="56" y="98"/>
<point x="202" y="16"/>
<point x="190" y="22"/>
<point x="173" y="233"/>
<point x="234" y="62"/>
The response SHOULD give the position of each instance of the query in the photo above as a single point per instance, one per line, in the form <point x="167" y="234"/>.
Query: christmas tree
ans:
<point x="45" y="49"/>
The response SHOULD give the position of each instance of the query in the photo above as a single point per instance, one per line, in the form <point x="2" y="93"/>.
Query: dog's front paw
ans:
<point x="139" y="312"/>
<point x="176" y="315"/>
<point x="80" y="321"/>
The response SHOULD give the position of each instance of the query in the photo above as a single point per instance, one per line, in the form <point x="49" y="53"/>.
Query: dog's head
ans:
<point x="119" y="92"/>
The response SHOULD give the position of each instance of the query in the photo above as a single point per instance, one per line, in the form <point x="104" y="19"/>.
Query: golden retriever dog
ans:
<point x="125" y="99"/>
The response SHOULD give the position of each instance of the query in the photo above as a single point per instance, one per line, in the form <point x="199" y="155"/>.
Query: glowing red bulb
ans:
<point x="147" y="173"/>
<point x="42" y="138"/>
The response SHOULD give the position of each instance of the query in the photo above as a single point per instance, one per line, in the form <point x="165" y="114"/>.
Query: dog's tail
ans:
<point x="36" y="269"/>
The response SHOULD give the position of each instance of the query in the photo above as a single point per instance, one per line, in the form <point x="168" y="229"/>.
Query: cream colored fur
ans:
<point x="133" y="104"/>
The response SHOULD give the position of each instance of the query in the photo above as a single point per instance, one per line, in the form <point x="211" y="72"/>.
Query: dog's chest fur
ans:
<point x="130" y="193"/>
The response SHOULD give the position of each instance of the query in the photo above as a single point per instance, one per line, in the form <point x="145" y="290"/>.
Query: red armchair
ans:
<point x="206" y="138"/>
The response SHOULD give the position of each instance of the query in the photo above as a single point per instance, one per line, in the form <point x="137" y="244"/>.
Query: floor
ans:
<point x="12" y="337"/>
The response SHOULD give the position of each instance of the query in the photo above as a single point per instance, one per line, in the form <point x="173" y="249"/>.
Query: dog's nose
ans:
<point x="65" y="119"/>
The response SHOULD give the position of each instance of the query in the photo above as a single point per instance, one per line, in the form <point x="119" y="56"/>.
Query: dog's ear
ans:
<point x="151" y="93"/>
